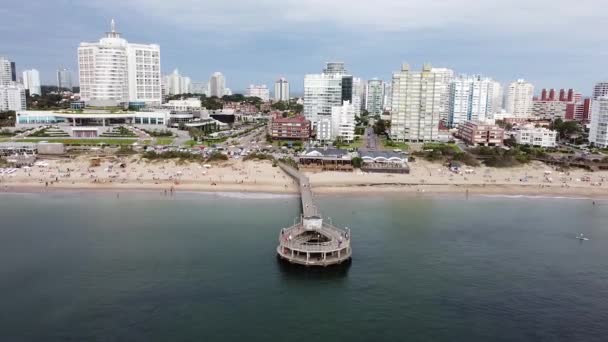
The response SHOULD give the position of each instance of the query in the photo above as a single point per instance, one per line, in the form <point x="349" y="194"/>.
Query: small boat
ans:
<point x="582" y="237"/>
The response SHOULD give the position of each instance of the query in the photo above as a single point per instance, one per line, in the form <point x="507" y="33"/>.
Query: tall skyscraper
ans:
<point x="388" y="96"/>
<point x="519" y="99"/>
<point x="217" y="85"/>
<point x="31" y="81"/>
<point x="114" y="71"/>
<point x="495" y="99"/>
<point x="64" y="79"/>
<point x="598" y="133"/>
<point x="260" y="91"/>
<point x="343" y="122"/>
<point x="417" y="104"/>
<point x="600" y="90"/>
<point x="330" y="89"/>
<point x="471" y="99"/>
<point x="445" y="77"/>
<point x="281" y="90"/>
<point x="374" y="97"/>
<point x="12" y="94"/>
<point x="7" y="71"/>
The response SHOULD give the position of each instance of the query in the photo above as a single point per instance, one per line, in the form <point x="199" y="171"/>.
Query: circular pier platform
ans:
<point x="324" y="245"/>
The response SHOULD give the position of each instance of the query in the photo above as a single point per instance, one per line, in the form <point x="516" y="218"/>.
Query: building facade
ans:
<point x="417" y="104"/>
<point x="292" y="128"/>
<point x="7" y="71"/>
<point x="31" y="81"/>
<point x="445" y="77"/>
<point x="374" y="97"/>
<point x="64" y="79"/>
<point x="260" y="91"/>
<point x="480" y="134"/>
<point x="519" y="99"/>
<point x="12" y="97"/>
<point x="322" y="92"/>
<point x="113" y="71"/>
<point x="176" y="84"/>
<point x="600" y="90"/>
<point x="281" y="90"/>
<point x="217" y="85"/>
<point x="598" y="133"/>
<point x="540" y="137"/>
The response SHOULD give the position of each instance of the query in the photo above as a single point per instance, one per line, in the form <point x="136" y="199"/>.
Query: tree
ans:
<point x="357" y="162"/>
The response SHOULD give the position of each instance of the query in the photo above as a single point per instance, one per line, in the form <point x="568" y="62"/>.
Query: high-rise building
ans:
<point x="445" y="77"/>
<point x="600" y="90"/>
<point x="217" y="85"/>
<point x="31" y="81"/>
<point x="374" y="97"/>
<point x="260" y="91"/>
<point x="7" y="71"/>
<point x="357" y="95"/>
<point x="519" y="99"/>
<point x="176" y="84"/>
<point x="343" y="122"/>
<point x="114" y="71"/>
<point x="598" y="133"/>
<point x="334" y="68"/>
<point x="471" y="99"/>
<point x="495" y="99"/>
<point x="417" y="104"/>
<point x="64" y="79"/>
<point x="12" y="97"/>
<point x="388" y="96"/>
<point x="281" y="90"/>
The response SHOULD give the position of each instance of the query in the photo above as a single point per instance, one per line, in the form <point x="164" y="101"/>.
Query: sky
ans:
<point x="551" y="43"/>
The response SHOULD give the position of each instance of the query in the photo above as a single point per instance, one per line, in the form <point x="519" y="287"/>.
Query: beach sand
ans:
<point x="535" y="179"/>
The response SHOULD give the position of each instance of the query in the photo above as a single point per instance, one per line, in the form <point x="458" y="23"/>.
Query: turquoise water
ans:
<point x="202" y="267"/>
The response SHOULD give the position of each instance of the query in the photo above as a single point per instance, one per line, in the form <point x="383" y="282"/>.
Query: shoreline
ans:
<point x="379" y="189"/>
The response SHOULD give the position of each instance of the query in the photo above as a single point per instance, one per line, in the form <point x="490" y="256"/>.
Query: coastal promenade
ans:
<point x="312" y="242"/>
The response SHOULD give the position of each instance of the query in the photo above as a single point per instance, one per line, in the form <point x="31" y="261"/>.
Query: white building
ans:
<point x="495" y="99"/>
<point x="114" y="71"/>
<point x="281" y="90"/>
<point x="417" y="104"/>
<point x="519" y="99"/>
<point x="64" y="79"/>
<point x="7" y="71"/>
<point x="322" y="92"/>
<point x="31" y="81"/>
<point x="12" y="97"/>
<point x="374" y="97"/>
<point x="227" y="91"/>
<point x="217" y="85"/>
<point x="472" y="98"/>
<point x="260" y="91"/>
<point x="357" y="95"/>
<point x="190" y="104"/>
<point x="598" y="133"/>
<point x="540" y="137"/>
<point x="176" y="84"/>
<point x="600" y="90"/>
<point x="324" y="129"/>
<point x="388" y="96"/>
<point x="343" y="122"/>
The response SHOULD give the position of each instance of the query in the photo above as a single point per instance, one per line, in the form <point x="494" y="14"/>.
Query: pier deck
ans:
<point x="312" y="242"/>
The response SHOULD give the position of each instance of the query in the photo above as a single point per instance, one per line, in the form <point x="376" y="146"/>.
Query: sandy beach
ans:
<point x="133" y="173"/>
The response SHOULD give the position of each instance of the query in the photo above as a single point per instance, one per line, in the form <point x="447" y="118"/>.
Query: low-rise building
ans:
<point x="533" y="136"/>
<point x="384" y="162"/>
<point x="549" y="109"/>
<point x="295" y="128"/>
<point x="481" y="134"/>
<point x="329" y="159"/>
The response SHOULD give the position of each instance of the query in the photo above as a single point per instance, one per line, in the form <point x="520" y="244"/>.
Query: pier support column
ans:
<point x="307" y="256"/>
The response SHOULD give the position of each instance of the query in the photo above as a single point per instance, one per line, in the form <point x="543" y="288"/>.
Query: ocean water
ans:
<point x="202" y="267"/>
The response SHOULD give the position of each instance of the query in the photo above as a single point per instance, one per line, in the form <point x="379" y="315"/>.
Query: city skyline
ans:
<point x="502" y="52"/>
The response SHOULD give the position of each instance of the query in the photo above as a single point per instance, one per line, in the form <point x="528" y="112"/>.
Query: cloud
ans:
<point x="476" y="16"/>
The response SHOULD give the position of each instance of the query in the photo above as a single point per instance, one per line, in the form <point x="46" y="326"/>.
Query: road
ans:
<point x="370" y="140"/>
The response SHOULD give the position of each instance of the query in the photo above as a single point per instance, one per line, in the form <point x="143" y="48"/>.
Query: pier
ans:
<point x="312" y="242"/>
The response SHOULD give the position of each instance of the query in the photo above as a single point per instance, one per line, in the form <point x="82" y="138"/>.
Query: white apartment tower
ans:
<point x="64" y="79"/>
<point x="31" y="81"/>
<point x="598" y="133"/>
<point x="281" y="90"/>
<point x="519" y="99"/>
<point x="322" y="92"/>
<point x="260" y="91"/>
<point x="114" y="71"/>
<point x="176" y="84"/>
<point x="343" y="122"/>
<point x="445" y="78"/>
<point x="374" y="97"/>
<point x="217" y="85"/>
<point x="12" y="97"/>
<point x="416" y="104"/>
<point x="472" y="98"/>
